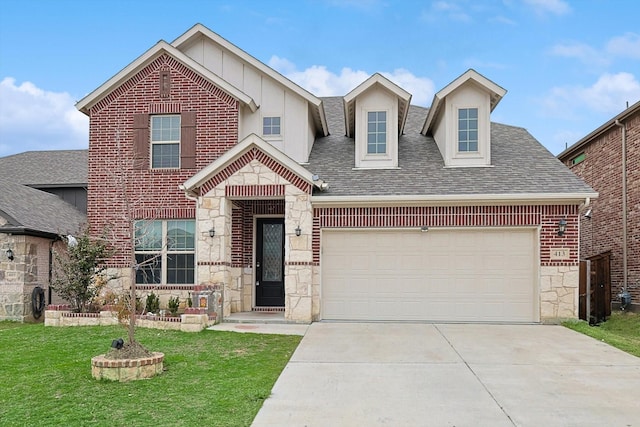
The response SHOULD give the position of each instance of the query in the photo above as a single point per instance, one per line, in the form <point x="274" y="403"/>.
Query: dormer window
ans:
<point x="376" y="132"/>
<point x="375" y="115"/>
<point x="468" y="129"/>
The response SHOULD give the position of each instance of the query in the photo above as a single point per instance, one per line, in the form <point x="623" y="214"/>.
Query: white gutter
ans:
<point x="458" y="199"/>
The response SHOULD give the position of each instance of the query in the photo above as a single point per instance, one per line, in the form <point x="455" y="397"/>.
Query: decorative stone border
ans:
<point x="194" y="320"/>
<point x="126" y="369"/>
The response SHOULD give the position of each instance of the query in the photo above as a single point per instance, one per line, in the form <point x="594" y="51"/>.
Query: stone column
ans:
<point x="214" y="253"/>
<point x="298" y="280"/>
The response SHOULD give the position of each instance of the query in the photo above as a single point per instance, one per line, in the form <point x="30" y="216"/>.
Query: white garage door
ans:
<point x="464" y="275"/>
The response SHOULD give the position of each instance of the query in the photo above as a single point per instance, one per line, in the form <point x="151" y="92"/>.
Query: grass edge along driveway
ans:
<point x="621" y="330"/>
<point x="211" y="378"/>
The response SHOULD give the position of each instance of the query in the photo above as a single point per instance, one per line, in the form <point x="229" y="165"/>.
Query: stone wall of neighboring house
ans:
<point x="119" y="190"/>
<point x="19" y="277"/>
<point x="602" y="169"/>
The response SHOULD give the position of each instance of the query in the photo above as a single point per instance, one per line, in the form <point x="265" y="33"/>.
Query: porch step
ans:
<point x="266" y="317"/>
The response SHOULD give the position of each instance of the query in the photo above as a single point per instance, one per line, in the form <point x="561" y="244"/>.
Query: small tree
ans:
<point x="79" y="273"/>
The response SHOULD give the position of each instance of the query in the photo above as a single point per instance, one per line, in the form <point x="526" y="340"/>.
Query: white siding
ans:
<point x="272" y="98"/>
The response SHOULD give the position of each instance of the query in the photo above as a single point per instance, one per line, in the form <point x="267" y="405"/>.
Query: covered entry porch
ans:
<point x="254" y="224"/>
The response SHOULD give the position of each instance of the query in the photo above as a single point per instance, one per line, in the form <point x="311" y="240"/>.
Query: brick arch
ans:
<point x="256" y="154"/>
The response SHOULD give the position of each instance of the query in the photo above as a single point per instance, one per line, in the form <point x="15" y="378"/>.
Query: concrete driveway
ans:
<point x="365" y="374"/>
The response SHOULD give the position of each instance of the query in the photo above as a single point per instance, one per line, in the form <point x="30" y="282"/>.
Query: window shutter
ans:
<point x="188" y="140"/>
<point x="140" y="141"/>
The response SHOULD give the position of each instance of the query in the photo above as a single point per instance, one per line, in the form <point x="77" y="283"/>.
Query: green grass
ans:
<point x="621" y="330"/>
<point x="211" y="378"/>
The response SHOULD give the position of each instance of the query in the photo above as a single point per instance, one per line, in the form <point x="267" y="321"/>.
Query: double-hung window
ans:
<point x="376" y="132"/>
<point x="165" y="252"/>
<point x="468" y="129"/>
<point x="165" y="141"/>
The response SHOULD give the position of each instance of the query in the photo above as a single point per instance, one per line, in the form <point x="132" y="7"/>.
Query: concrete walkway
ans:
<point x="365" y="374"/>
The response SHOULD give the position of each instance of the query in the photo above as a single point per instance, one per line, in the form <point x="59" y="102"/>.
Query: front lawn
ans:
<point x="211" y="378"/>
<point x="621" y="330"/>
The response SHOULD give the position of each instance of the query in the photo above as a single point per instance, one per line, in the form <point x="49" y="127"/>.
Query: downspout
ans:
<point x="624" y="204"/>
<point x="49" y="291"/>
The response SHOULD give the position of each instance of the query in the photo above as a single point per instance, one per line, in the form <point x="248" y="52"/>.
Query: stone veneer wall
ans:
<point x="19" y="277"/>
<point x="216" y="255"/>
<point x="558" y="293"/>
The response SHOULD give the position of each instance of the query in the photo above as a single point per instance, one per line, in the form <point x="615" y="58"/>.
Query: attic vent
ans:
<point x="578" y="159"/>
<point x="165" y="83"/>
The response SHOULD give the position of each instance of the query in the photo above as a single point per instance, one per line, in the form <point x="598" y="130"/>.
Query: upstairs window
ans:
<point x="376" y="132"/>
<point x="165" y="141"/>
<point x="468" y="130"/>
<point x="271" y="126"/>
<point x="165" y="252"/>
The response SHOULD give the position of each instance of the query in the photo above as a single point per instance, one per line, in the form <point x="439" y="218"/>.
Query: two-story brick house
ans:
<point x="362" y="207"/>
<point x="608" y="159"/>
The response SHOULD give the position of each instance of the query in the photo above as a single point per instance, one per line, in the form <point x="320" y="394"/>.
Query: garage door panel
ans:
<point x="441" y="275"/>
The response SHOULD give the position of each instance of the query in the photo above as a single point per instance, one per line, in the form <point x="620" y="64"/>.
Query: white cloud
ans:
<point x="318" y="80"/>
<point x="448" y="9"/>
<point x="557" y="7"/>
<point x="608" y="95"/>
<point x="35" y="119"/>
<point x="580" y="51"/>
<point x="625" y="46"/>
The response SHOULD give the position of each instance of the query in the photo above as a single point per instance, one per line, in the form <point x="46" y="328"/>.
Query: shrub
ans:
<point x="174" y="304"/>
<point x="79" y="276"/>
<point x="153" y="303"/>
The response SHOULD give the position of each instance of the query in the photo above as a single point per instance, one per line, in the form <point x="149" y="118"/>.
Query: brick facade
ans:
<point x="602" y="169"/>
<point x="117" y="191"/>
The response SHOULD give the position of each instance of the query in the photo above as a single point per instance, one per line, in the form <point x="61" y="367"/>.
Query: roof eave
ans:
<point x="455" y="200"/>
<point x="579" y="145"/>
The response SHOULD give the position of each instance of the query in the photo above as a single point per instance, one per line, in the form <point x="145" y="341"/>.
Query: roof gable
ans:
<point x="249" y="148"/>
<point x="200" y="30"/>
<point x="161" y="48"/>
<point x="495" y="93"/>
<point x="376" y="80"/>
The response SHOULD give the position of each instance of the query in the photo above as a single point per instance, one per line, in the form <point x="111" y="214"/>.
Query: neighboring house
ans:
<point x="42" y="196"/>
<point x="360" y="207"/>
<point x="598" y="159"/>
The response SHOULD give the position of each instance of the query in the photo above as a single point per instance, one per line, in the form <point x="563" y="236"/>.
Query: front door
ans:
<point x="270" y="262"/>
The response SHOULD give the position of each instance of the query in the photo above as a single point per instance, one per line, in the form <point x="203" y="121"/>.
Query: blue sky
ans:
<point x="568" y="66"/>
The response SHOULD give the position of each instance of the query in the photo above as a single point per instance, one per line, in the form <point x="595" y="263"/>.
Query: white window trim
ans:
<point x="152" y="142"/>
<point x="457" y="118"/>
<point x="273" y="137"/>
<point x="386" y="156"/>
<point x="470" y="158"/>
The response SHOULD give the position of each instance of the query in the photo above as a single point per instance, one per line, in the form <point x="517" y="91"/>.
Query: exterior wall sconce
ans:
<point x="298" y="230"/>
<point x="562" y="227"/>
<point x="10" y="254"/>
<point x="212" y="232"/>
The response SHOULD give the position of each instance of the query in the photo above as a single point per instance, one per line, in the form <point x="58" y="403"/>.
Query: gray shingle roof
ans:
<point x="521" y="165"/>
<point x="29" y="209"/>
<point x="45" y="168"/>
